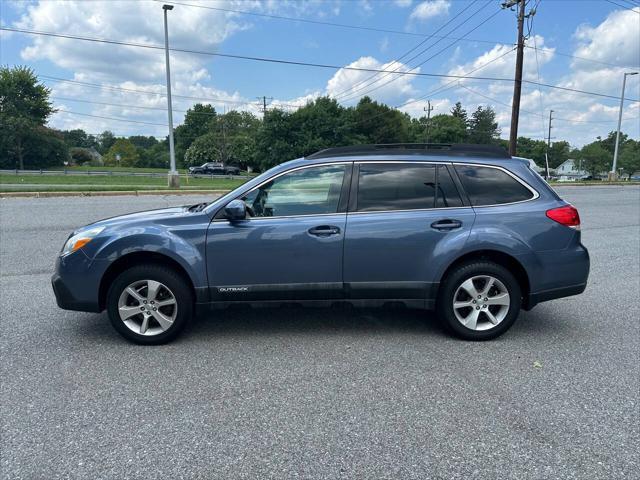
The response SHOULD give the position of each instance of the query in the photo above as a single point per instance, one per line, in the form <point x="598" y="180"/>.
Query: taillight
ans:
<point x="567" y="216"/>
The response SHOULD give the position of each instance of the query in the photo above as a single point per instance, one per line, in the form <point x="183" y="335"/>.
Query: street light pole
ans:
<point x="174" y="178"/>
<point x="613" y="174"/>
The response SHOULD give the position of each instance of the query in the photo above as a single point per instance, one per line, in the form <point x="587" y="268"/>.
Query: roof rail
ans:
<point x="452" y="149"/>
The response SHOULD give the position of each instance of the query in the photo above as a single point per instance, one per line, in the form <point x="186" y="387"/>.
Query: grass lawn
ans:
<point x="32" y="183"/>
<point x="182" y="171"/>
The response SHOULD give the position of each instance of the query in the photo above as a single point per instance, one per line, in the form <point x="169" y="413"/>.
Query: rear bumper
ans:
<point x="561" y="274"/>
<point x="555" y="293"/>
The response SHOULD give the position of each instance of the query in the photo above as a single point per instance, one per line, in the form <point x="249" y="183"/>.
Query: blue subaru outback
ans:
<point x="464" y="230"/>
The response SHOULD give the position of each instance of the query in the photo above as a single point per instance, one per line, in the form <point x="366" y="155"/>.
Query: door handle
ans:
<point x="324" y="230"/>
<point x="446" y="224"/>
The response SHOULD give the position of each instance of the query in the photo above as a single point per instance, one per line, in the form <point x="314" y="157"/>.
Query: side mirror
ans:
<point x="235" y="210"/>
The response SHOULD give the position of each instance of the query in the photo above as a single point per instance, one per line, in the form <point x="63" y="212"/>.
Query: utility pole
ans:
<point x="428" y="109"/>
<point x="517" y="86"/>
<point x="546" y="157"/>
<point x="264" y="104"/>
<point x="174" y="177"/>
<point x="614" y="174"/>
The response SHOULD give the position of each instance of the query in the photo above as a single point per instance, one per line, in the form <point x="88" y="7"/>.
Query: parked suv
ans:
<point x="465" y="230"/>
<point x="213" y="168"/>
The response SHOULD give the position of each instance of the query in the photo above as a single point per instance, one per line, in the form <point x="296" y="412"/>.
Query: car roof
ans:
<point x="395" y="149"/>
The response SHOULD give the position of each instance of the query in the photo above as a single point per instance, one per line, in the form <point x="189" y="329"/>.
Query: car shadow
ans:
<point x="314" y="320"/>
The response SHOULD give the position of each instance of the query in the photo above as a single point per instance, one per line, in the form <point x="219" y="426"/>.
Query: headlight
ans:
<point x="80" y="239"/>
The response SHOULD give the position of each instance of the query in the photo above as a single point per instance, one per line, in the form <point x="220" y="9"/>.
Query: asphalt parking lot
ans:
<point x="317" y="393"/>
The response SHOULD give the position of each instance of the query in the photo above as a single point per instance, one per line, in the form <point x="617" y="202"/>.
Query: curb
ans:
<point x="109" y="193"/>
<point x="600" y="184"/>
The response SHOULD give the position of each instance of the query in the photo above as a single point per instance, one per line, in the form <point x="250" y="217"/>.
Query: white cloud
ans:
<point x="501" y="64"/>
<point x="365" y="6"/>
<point x="139" y="22"/>
<point x="616" y="40"/>
<point x="345" y="83"/>
<point x="429" y="9"/>
<point x="384" y="44"/>
<point x="403" y="3"/>
<point x="590" y="116"/>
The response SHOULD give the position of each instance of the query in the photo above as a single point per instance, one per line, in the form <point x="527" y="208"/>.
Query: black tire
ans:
<point x="460" y="274"/>
<point x="166" y="276"/>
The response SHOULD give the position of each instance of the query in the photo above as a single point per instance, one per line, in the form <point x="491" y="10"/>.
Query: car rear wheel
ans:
<point x="149" y="304"/>
<point x="479" y="300"/>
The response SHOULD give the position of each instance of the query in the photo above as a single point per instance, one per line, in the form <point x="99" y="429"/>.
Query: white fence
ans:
<point x="111" y="173"/>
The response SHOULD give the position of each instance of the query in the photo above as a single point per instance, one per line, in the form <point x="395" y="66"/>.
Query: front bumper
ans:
<point x="76" y="282"/>
<point x="67" y="301"/>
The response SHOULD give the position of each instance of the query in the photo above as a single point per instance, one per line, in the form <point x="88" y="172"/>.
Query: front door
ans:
<point x="290" y="245"/>
<point x="404" y="221"/>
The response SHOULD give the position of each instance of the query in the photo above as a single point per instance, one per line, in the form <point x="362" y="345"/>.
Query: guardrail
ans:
<point x="114" y="173"/>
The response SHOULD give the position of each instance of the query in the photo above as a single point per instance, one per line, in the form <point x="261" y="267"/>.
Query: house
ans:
<point x="570" y="170"/>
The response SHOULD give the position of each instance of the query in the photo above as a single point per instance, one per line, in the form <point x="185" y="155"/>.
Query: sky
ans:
<point x="585" y="45"/>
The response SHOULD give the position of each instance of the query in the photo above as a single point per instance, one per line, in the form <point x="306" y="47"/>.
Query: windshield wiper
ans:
<point x="198" y="207"/>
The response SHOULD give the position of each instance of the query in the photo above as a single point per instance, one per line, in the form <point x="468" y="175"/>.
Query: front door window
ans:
<point x="308" y="191"/>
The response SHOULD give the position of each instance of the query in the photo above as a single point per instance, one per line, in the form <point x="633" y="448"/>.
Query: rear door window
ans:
<point x="384" y="187"/>
<point x="491" y="186"/>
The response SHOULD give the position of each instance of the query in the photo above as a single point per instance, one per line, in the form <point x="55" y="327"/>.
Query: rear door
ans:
<point x="405" y="219"/>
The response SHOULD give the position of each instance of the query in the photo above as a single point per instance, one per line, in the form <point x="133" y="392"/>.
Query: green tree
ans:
<point x="127" y="152"/>
<point x="142" y="141"/>
<point x="79" y="138"/>
<point x="105" y="141"/>
<point x="205" y="148"/>
<point x="155" y="157"/>
<point x="533" y="149"/>
<point x="447" y="129"/>
<point x="609" y="142"/>
<point x="595" y="158"/>
<point x="24" y="110"/>
<point x="483" y="127"/>
<point x="629" y="159"/>
<point x="377" y="123"/>
<point x="458" y="112"/>
<point x="276" y="139"/>
<point x="197" y="122"/>
<point x="231" y="139"/>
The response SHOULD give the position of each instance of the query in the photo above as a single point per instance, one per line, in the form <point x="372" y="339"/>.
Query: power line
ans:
<point x="117" y="119"/>
<point x="317" y="22"/>
<point x="350" y="89"/>
<point x="441" y="89"/>
<point x="373" y="29"/>
<point x="528" y="112"/>
<point x="146" y="92"/>
<point x="437" y="53"/>
<point x="306" y="64"/>
<point x="121" y="105"/>
<point x="240" y="57"/>
<point x="352" y="93"/>
<point x="633" y="9"/>
<point x="584" y="59"/>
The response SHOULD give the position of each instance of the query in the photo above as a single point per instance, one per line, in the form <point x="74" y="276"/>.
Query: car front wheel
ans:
<point x="149" y="304"/>
<point x="479" y="300"/>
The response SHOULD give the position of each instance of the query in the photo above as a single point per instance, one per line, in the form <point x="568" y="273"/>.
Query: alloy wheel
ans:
<point x="481" y="302"/>
<point x="147" y="307"/>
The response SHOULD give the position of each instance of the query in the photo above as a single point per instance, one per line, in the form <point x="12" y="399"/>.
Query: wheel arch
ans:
<point x="134" y="259"/>
<point x="501" y="258"/>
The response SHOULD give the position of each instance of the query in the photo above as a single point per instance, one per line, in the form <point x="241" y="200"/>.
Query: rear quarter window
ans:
<point x="491" y="186"/>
